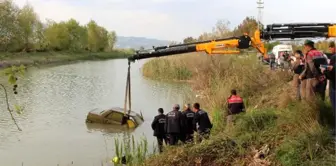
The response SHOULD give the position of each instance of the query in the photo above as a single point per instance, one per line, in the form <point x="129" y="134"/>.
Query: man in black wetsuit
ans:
<point x="158" y="125"/>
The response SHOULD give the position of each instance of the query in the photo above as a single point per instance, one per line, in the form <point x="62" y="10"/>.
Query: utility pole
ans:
<point x="260" y="7"/>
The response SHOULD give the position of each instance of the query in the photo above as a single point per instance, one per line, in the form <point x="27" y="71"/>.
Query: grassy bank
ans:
<point x="285" y="131"/>
<point x="41" y="58"/>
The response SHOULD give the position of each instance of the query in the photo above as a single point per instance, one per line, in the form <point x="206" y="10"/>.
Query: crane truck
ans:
<point x="233" y="45"/>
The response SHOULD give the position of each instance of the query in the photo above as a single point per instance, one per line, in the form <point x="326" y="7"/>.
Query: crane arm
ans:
<point x="298" y="30"/>
<point x="218" y="46"/>
<point x="233" y="45"/>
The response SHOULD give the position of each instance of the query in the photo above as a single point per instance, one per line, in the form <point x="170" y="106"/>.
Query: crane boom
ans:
<point x="233" y="45"/>
<point x="210" y="47"/>
<point x="299" y="30"/>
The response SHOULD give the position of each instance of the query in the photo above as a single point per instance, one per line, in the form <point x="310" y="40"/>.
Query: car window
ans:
<point x="116" y="116"/>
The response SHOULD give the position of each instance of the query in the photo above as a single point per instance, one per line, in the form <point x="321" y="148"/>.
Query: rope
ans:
<point x="128" y="91"/>
<point x="129" y="87"/>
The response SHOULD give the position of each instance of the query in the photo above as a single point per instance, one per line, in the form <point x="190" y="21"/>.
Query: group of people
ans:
<point x="312" y="70"/>
<point x="179" y="125"/>
<point x="284" y="60"/>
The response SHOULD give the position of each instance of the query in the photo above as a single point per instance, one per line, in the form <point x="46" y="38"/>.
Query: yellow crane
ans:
<point x="233" y="45"/>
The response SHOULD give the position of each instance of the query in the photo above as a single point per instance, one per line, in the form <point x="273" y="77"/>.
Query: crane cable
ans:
<point x="128" y="91"/>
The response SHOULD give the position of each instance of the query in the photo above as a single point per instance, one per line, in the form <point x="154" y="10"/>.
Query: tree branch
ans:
<point x="8" y="108"/>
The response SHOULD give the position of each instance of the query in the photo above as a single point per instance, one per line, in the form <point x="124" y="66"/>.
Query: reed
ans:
<point x="135" y="152"/>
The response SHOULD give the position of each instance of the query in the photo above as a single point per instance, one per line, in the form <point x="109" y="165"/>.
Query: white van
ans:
<point x="278" y="49"/>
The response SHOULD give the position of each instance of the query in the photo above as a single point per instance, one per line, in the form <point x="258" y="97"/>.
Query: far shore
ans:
<point x="56" y="58"/>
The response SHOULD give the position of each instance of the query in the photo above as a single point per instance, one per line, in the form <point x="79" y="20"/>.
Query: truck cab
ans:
<point x="278" y="50"/>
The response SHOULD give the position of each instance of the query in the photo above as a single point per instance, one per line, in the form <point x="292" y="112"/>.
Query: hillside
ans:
<point x="137" y="42"/>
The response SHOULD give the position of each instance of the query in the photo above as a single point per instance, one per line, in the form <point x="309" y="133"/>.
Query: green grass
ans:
<point x="41" y="58"/>
<point x="135" y="152"/>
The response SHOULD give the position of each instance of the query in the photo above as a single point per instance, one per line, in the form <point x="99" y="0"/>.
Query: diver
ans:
<point x="158" y="125"/>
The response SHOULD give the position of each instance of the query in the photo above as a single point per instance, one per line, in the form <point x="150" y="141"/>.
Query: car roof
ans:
<point x="114" y="109"/>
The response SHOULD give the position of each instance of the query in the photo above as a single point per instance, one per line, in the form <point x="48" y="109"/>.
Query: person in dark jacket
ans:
<point x="297" y="67"/>
<point x="330" y="73"/>
<point x="286" y="58"/>
<point x="316" y="80"/>
<point x="272" y="60"/>
<point x="235" y="105"/>
<point x="189" y="125"/>
<point x="202" y="121"/>
<point x="174" y="126"/>
<point x="158" y="125"/>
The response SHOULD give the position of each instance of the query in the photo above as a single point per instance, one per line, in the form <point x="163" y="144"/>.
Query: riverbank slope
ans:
<point x="61" y="57"/>
<point x="275" y="130"/>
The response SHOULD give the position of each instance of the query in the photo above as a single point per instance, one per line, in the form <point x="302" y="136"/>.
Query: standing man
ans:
<point x="202" y="121"/>
<point x="158" y="125"/>
<point x="316" y="81"/>
<point x="235" y="105"/>
<point x="286" y="58"/>
<point x="297" y="67"/>
<point x="189" y="123"/>
<point x="174" y="125"/>
<point x="330" y="73"/>
<point x="272" y="60"/>
<point x="281" y="59"/>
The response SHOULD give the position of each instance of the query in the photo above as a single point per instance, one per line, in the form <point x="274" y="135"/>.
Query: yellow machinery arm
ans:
<point x="233" y="45"/>
<point x="225" y="46"/>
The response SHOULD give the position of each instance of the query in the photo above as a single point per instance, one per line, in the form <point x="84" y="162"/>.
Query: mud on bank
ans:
<point x="292" y="132"/>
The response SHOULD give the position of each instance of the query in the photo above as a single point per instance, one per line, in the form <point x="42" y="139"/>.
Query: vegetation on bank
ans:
<point x="24" y="37"/>
<point x="290" y="132"/>
<point x="134" y="152"/>
<point x="59" y="57"/>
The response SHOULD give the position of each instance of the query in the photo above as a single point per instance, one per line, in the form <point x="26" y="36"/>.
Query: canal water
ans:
<point x="56" y="101"/>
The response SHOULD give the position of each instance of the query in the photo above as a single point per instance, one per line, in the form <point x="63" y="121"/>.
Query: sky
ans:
<point x="176" y="19"/>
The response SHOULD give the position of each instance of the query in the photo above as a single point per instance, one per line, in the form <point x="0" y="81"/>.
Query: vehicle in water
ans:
<point x="115" y="116"/>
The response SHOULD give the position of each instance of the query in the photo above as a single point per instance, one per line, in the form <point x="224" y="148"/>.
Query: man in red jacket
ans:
<point x="316" y="81"/>
<point x="235" y="105"/>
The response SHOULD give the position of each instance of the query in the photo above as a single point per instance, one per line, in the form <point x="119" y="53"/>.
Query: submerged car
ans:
<point x="114" y="116"/>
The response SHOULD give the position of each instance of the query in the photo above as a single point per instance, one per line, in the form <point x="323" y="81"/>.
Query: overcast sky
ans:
<point x="176" y="19"/>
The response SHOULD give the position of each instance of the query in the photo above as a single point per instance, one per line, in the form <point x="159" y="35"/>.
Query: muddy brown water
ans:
<point x="56" y="101"/>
